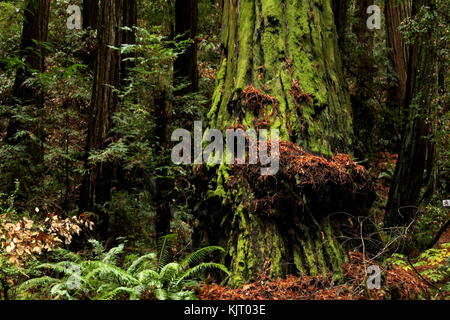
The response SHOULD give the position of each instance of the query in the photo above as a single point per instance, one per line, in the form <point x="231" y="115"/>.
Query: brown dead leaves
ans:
<point x="397" y="284"/>
<point x="24" y="239"/>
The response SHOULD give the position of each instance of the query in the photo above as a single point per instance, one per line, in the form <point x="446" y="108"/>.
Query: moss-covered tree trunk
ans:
<point x="289" y="50"/>
<point x="286" y="53"/>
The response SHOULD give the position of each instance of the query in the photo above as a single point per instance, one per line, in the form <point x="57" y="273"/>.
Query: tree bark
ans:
<point x="128" y="36"/>
<point x="396" y="12"/>
<point x="90" y="14"/>
<point x="340" y="8"/>
<point x="98" y="182"/>
<point x="364" y="118"/>
<point x="288" y="54"/>
<point x="415" y="165"/>
<point x="185" y="67"/>
<point x="32" y="50"/>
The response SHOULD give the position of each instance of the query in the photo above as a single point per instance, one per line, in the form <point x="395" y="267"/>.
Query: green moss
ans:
<point x="270" y="44"/>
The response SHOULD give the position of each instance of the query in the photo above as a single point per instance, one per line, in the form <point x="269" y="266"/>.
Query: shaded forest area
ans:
<point x="93" y="207"/>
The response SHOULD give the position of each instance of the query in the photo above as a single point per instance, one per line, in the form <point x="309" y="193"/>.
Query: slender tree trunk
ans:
<point x="414" y="169"/>
<point x="128" y="36"/>
<point x="163" y="103"/>
<point x="185" y="68"/>
<point x="90" y="21"/>
<point x="364" y="118"/>
<point x="396" y="12"/>
<point x="32" y="50"/>
<point x="90" y="14"/>
<point x="340" y="8"/>
<point x="286" y="54"/>
<point x="98" y="182"/>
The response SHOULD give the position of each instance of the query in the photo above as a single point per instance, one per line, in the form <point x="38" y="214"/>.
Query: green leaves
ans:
<point x="102" y="279"/>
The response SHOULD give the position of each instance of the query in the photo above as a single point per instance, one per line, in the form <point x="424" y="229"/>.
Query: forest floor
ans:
<point x="397" y="283"/>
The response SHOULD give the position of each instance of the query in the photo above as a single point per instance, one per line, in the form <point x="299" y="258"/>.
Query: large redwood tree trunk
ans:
<point x="281" y="69"/>
<point x="98" y="181"/>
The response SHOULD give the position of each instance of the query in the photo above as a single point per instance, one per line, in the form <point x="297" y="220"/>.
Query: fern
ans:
<point x="199" y="255"/>
<point x="137" y="264"/>
<point x="165" y="246"/>
<point x="111" y="255"/>
<point x="200" y="268"/>
<point x="102" y="279"/>
<point x="66" y="255"/>
<point x="38" y="283"/>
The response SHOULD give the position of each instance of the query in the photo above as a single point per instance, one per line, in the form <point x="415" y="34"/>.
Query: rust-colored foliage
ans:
<point x="26" y="239"/>
<point x="398" y="284"/>
<point x="256" y="101"/>
<point x="298" y="96"/>
<point x="326" y="180"/>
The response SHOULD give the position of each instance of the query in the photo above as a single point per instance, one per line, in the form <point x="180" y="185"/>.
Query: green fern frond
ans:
<point x="64" y="267"/>
<point x="117" y="292"/>
<point x="104" y="271"/>
<point x="38" y="283"/>
<point x="202" y="267"/>
<point x="161" y="294"/>
<point x="139" y="261"/>
<point x="165" y="246"/>
<point x="66" y="255"/>
<point x="98" y="248"/>
<point x="149" y="278"/>
<point x="169" y="272"/>
<point x="199" y="255"/>
<point x="111" y="256"/>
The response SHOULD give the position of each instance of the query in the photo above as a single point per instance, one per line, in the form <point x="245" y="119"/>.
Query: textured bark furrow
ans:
<point x="294" y="41"/>
<point x="396" y="12"/>
<point x="97" y="184"/>
<point x="417" y="150"/>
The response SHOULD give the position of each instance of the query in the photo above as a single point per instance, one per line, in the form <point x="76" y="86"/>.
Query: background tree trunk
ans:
<point x="32" y="50"/>
<point x="90" y="14"/>
<point x="364" y="117"/>
<point x="287" y="51"/>
<point x="414" y="170"/>
<point x="128" y="36"/>
<point x="396" y="12"/>
<point x="340" y="8"/>
<point x="98" y="182"/>
<point x="90" y="21"/>
<point x="185" y="67"/>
